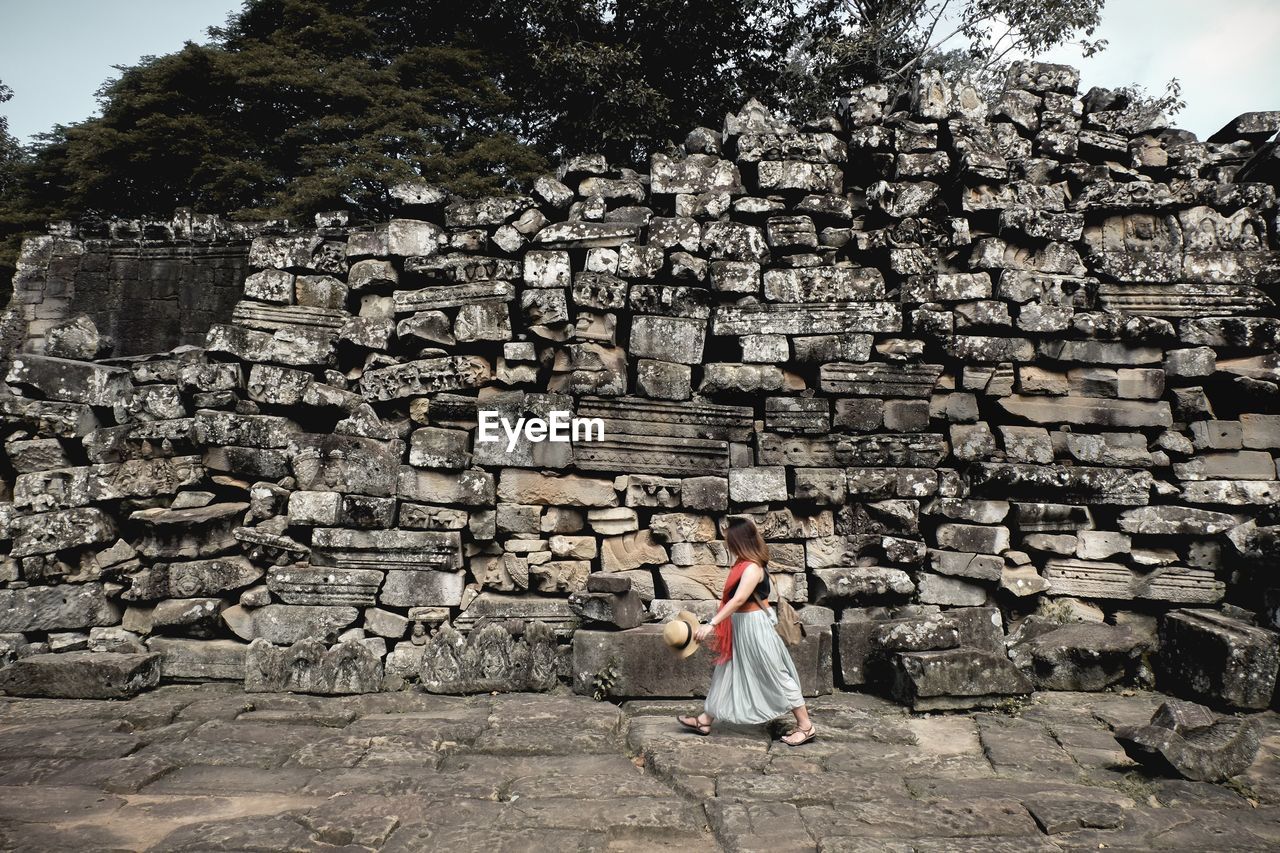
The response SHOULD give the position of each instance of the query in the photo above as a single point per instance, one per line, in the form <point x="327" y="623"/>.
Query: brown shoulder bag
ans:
<point x="789" y="626"/>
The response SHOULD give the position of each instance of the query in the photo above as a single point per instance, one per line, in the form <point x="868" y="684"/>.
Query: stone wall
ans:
<point x="976" y="370"/>
<point x="147" y="285"/>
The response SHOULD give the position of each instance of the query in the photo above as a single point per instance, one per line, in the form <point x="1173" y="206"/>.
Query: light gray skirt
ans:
<point x="760" y="682"/>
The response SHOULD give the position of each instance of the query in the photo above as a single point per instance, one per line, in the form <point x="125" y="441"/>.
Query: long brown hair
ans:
<point x="744" y="540"/>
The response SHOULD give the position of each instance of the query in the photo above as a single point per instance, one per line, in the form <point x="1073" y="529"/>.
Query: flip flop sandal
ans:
<point x="702" y="729"/>
<point x="808" y="736"/>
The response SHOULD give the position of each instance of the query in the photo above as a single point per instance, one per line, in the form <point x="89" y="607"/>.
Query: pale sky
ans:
<point x="56" y="53"/>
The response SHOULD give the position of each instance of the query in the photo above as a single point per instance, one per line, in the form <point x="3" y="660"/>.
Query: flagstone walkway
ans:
<point x="204" y="768"/>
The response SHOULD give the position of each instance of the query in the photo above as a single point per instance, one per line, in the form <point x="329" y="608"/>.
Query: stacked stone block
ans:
<point x="1013" y="359"/>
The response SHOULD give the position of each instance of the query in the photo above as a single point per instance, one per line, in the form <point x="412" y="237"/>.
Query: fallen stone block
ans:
<point x="1214" y="658"/>
<point x="47" y="417"/>
<point x="191" y="579"/>
<point x="175" y="534"/>
<point x="83" y="485"/>
<point x="1082" y="656"/>
<point x="1185" y="739"/>
<point x="955" y="679"/>
<point x="81" y="675"/>
<point x="491" y="607"/>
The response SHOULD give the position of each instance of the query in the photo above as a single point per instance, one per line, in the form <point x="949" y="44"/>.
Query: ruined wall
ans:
<point x="148" y="286"/>
<point x="960" y="361"/>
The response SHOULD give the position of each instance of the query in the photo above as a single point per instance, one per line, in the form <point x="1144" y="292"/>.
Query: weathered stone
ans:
<point x="306" y="666"/>
<point x="81" y="675"/>
<point x="955" y="678"/>
<point x="631" y="551"/>
<point x="188" y="533"/>
<point x="1186" y="740"/>
<point x="1078" y="657"/>
<point x="289" y="346"/>
<point x="879" y="380"/>
<point x="70" y="381"/>
<point x="854" y="583"/>
<point x="49" y="532"/>
<point x="470" y="488"/>
<point x="490" y="659"/>
<point x="1126" y="487"/>
<point x="951" y="591"/>
<point x="697" y="173"/>
<point x="758" y="485"/>
<point x="425" y="376"/>
<point x="77" y="338"/>
<point x="56" y="608"/>
<point x="810" y="318"/>
<point x="586" y="235"/>
<point x="1217" y="659"/>
<point x="184" y="659"/>
<point x="675" y="339"/>
<point x="529" y="487"/>
<point x="611" y="609"/>
<point x="1096" y="579"/>
<point x="285" y="624"/>
<point x="422" y="589"/>
<point x="794" y="175"/>
<point x="191" y="579"/>
<point x="1176" y="520"/>
<point x="72" y="487"/>
<point x="309" y="585"/>
<point x="49" y="417"/>
<point x="657" y="437"/>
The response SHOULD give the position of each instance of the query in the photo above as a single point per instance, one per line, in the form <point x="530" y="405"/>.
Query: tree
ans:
<point x="15" y="216"/>
<point x="848" y="43"/>
<point x="297" y="106"/>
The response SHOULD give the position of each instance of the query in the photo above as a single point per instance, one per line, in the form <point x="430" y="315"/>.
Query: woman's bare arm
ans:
<point x="751" y="577"/>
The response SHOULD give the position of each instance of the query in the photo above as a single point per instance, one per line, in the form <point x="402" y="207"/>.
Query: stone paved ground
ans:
<point x="212" y="768"/>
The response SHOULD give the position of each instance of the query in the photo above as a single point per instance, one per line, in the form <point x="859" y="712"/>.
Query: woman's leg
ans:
<point x="702" y="722"/>
<point x="804" y="726"/>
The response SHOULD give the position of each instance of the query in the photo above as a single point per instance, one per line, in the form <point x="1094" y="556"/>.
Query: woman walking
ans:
<point x="754" y="680"/>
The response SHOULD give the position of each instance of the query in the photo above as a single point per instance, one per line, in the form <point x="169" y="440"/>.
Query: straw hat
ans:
<point x="679" y="633"/>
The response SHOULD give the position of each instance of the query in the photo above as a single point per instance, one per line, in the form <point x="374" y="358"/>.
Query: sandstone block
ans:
<point x="285" y="624"/>
<point x="1217" y="659"/>
<point x="758" y="485"/>
<point x="531" y="487"/>
<point x="70" y="381"/>
<point x="955" y="678"/>
<point x="81" y="675"/>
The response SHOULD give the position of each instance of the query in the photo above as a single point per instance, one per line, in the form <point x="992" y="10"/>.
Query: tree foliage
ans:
<point x="296" y="106"/>
<point x="846" y="43"/>
<point x="14" y="215"/>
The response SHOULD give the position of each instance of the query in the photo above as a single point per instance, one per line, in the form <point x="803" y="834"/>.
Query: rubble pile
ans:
<point x="975" y="369"/>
